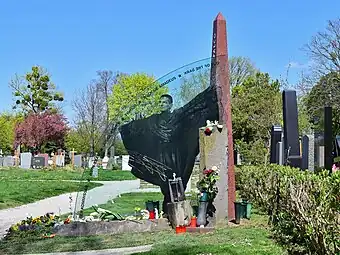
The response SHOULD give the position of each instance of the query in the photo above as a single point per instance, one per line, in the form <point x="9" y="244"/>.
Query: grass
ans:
<point x="250" y="237"/>
<point x="15" y="192"/>
<point x="63" y="174"/>
<point x="126" y="203"/>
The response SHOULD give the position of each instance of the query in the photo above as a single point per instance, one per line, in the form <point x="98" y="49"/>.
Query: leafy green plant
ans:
<point x="304" y="207"/>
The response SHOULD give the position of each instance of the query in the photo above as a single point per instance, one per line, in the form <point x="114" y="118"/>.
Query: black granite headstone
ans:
<point x="328" y="138"/>
<point x="38" y="162"/>
<point x="275" y="137"/>
<point x="291" y="129"/>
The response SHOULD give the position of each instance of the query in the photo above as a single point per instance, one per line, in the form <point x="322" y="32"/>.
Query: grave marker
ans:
<point x="25" y="160"/>
<point x="291" y="129"/>
<point x="220" y="78"/>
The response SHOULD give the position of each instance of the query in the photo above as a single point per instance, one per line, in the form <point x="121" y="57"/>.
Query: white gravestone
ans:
<point x="77" y="160"/>
<point x="8" y="161"/>
<point x="125" y="163"/>
<point x="60" y="160"/>
<point x="25" y="160"/>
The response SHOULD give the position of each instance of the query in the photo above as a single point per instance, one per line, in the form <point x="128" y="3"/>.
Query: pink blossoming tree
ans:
<point x="38" y="129"/>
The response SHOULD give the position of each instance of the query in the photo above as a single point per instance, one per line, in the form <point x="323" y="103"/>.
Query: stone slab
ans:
<point x="214" y="152"/>
<point x="111" y="227"/>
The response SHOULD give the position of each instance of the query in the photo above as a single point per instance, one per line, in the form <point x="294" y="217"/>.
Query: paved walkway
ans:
<point x="60" y="204"/>
<point x="118" y="251"/>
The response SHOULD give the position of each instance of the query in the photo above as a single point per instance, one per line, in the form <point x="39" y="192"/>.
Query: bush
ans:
<point x="304" y="207"/>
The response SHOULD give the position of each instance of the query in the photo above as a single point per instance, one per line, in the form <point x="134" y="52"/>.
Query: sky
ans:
<point x="74" y="39"/>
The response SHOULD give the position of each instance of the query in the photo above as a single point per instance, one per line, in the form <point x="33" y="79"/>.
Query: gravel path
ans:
<point x="60" y="204"/>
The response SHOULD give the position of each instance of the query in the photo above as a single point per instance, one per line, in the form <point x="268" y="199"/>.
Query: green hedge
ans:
<point x="304" y="207"/>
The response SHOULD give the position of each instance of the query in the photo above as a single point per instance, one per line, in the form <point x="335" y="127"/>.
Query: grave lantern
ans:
<point x="176" y="189"/>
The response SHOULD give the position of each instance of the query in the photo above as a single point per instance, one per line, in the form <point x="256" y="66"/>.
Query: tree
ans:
<point x="120" y="148"/>
<point x="324" y="49"/>
<point x="76" y="140"/>
<point x="8" y="123"/>
<point x="40" y="129"/>
<point x="325" y="93"/>
<point x="256" y="106"/>
<point x="35" y="92"/>
<point x="105" y="81"/>
<point x="240" y="68"/>
<point x="89" y="109"/>
<point x="133" y="97"/>
<point x="191" y="86"/>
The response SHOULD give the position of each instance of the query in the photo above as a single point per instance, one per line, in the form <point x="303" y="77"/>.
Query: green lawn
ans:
<point x="251" y="237"/>
<point x="127" y="203"/>
<point x="63" y="174"/>
<point x="15" y="192"/>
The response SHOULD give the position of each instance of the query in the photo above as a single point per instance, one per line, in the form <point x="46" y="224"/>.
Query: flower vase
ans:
<point x="202" y="213"/>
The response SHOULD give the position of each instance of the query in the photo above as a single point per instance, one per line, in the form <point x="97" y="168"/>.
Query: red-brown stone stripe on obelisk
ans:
<point x="220" y="78"/>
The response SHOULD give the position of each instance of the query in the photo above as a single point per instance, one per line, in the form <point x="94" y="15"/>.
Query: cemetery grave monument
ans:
<point x="167" y="143"/>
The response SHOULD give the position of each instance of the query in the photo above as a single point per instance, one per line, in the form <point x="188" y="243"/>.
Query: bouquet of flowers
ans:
<point x="208" y="183"/>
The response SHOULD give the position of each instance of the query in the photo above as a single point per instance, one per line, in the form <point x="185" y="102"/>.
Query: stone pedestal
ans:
<point x="214" y="152"/>
<point x="180" y="213"/>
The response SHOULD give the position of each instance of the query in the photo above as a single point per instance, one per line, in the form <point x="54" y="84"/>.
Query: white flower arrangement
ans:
<point x="211" y="125"/>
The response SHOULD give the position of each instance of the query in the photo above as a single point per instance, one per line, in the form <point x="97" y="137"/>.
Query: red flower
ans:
<point x="208" y="171"/>
<point x="207" y="131"/>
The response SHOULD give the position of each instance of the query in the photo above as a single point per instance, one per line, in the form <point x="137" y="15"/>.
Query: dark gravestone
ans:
<point x="275" y="137"/>
<point x="291" y="129"/>
<point x="38" y="162"/>
<point x="328" y="136"/>
<point x="337" y="146"/>
<point x="305" y="152"/>
<point x="167" y="143"/>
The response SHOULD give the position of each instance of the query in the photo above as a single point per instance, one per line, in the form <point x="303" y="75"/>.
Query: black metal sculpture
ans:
<point x="168" y="143"/>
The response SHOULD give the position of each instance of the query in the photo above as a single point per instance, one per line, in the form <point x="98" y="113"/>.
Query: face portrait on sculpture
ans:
<point x="166" y="103"/>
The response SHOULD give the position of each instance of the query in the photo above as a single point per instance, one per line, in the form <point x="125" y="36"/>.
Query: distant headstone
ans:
<point x="104" y="162"/>
<point x="308" y="152"/>
<point x="8" y="161"/>
<point x="78" y="160"/>
<point x="1" y="161"/>
<point x="91" y="162"/>
<point x="125" y="163"/>
<point x="291" y="128"/>
<point x="38" y="162"/>
<point x="320" y="153"/>
<point x="60" y="160"/>
<point x="25" y="160"/>
<point x="95" y="172"/>
<point x="275" y="137"/>
<point x="110" y="163"/>
<point x="279" y="153"/>
<point x="45" y="156"/>
<point x="328" y="138"/>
